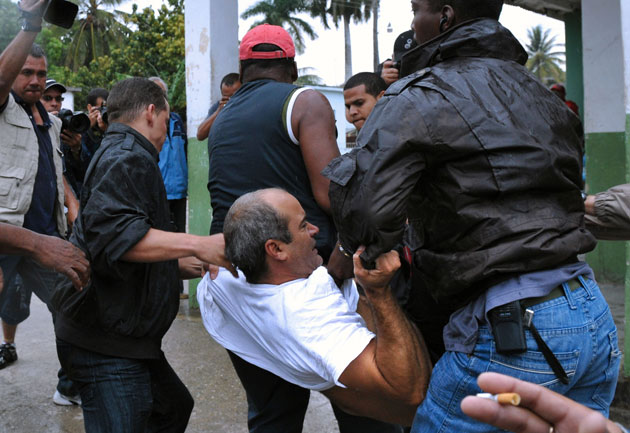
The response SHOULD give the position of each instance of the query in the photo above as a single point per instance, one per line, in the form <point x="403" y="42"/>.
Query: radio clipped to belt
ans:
<point x="509" y="322"/>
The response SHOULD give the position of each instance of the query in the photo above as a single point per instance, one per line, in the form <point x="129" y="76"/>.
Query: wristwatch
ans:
<point x="28" y="27"/>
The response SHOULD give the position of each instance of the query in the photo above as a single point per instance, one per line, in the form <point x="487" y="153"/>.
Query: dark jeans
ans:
<point x="178" y="214"/>
<point x="275" y="405"/>
<point x="23" y="277"/>
<point x="121" y="395"/>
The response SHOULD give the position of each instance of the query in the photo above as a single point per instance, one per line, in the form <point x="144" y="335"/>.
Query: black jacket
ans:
<point x="127" y="307"/>
<point x="482" y="159"/>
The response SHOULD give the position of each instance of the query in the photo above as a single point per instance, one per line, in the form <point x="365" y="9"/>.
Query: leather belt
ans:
<point x="555" y="293"/>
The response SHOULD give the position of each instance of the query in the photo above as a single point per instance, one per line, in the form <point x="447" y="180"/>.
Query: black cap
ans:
<point x="404" y="42"/>
<point x="52" y="83"/>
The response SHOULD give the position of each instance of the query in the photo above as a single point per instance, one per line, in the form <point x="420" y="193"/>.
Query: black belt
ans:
<point x="555" y="293"/>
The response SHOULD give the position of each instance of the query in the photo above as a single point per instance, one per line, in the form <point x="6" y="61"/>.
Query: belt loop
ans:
<point x="587" y="288"/>
<point x="567" y="294"/>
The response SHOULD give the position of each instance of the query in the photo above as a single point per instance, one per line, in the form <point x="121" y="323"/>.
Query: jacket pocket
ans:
<point x="10" y="179"/>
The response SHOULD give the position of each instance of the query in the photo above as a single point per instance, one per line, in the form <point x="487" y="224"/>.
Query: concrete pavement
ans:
<point x="26" y="388"/>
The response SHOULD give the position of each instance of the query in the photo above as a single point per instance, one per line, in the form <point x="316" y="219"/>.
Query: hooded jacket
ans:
<point x="481" y="159"/>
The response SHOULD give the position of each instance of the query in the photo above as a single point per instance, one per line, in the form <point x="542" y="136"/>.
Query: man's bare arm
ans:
<point x="388" y="380"/>
<point x="204" y="129"/>
<point x="49" y="251"/>
<point x="14" y="55"/>
<point x="71" y="202"/>
<point x="158" y="245"/>
<point x="313" y="123"/>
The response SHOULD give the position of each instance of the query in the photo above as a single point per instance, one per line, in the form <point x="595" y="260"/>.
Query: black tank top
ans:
<point x="250" y="149"/>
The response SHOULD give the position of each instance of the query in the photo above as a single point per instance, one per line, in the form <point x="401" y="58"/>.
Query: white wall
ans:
<point x="604" y="98"/>
<point x="625" y="33"/>
<point x="211" y="53"/>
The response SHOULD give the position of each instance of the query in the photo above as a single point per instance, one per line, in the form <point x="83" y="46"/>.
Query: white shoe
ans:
<point x="64" y="400"/>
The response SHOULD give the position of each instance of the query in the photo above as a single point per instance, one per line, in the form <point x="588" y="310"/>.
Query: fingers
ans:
<point x="508" y="417"/>
<point x="74" y="277"/>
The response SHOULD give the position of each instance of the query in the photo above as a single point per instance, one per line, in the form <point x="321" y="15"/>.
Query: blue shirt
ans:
<point x="40" y="217"/>
<point x="460" y="334"/>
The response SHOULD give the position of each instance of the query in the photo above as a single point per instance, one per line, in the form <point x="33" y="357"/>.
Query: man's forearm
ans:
<point x="17" y="240"/>
<point x="12" y="59"/>
<point x="158" y="245"/>
<point x="204" y="129"/>
<point x="401" y="355"/>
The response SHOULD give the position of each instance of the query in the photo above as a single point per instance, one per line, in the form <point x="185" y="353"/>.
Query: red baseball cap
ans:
<point x="266" y="34"/>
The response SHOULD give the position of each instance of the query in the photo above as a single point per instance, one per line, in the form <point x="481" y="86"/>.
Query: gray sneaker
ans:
<point x="8" y="355"/>
<point x="65" y="400"/>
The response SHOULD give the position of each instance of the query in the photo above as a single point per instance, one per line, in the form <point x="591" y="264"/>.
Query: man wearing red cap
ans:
<point x="561" y="92"/>
<point x="272" y="133"/>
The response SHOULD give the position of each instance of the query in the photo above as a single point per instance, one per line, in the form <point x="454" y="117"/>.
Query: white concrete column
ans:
<point x="603" y="52"/>
<point x="211" y="53"/>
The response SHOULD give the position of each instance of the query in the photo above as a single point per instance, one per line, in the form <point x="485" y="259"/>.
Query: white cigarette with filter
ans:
<point x="504" y="398"/>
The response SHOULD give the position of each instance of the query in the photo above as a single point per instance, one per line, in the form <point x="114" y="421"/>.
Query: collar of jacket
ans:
<point x="481" y="37"/>
<point x="121" y="128"/>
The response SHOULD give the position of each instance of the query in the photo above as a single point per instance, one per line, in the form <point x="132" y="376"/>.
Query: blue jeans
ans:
<point x="121" y="395"/>
<point x="579" y="330"/>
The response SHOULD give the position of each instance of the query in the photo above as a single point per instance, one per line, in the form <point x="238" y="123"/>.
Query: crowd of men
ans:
<point x="390" y="278"/>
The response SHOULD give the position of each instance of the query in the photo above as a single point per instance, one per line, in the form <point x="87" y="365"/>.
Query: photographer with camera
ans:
<point x="70" y="142"/>
<point x="31" y="168"/>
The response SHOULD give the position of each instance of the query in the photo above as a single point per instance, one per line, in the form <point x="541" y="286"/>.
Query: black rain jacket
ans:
<point x="482" y="159"/>
<point x="127" y="307"/>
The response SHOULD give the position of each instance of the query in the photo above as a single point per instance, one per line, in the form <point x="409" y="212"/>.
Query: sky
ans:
<point x="326" y="54"/>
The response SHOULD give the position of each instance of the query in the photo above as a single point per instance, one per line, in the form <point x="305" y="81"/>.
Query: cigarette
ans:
<point x="505" y="398"/>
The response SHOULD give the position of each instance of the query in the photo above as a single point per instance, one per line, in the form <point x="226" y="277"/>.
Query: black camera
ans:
<point x="396" y="65"/>
<point x="77" y="123"/>
<point x="104" y="116"/>
<point x="60" y="13"/>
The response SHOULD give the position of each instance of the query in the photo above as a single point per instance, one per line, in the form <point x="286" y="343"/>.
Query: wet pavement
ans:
<point x="27" y="387"/>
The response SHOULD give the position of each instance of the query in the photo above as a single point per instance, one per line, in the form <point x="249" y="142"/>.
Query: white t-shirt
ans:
<point x="306" y="331"/>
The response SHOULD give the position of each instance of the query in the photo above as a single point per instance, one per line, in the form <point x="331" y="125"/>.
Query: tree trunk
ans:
<point x="375" y="9"/>
<point x="348" y="46"/>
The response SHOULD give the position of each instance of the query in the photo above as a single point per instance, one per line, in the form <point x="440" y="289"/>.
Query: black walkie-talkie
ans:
<point x="508" y="329"/>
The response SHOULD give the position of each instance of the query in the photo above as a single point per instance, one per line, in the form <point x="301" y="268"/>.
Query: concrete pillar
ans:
<point x="625" y="36"/>
<point x="604" y="118"/>
<point x="211" y="53"/>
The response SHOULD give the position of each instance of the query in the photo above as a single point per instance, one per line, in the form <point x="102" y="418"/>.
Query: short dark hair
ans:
<point x="96" y="93"/>
<point x="250" y="223"/>
<point x="130" y="97"/>
<point x="37" y="51"/>
<point x="230" y="79"/>
<point x="470" y="9"/>
<point x="374" y="84"/>
<point x="253" y="66"/>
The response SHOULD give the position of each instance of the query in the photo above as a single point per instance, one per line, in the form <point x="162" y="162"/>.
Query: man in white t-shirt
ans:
<point x="286" y="314"/>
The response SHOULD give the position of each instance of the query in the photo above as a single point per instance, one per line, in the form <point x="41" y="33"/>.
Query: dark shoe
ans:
<point x="8" y="355"/>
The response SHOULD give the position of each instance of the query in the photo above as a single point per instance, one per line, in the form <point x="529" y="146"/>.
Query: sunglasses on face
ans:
<point x="49" y="98"/>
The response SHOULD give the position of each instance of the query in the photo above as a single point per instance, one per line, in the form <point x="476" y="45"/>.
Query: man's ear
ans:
<point x="149" y="114"/>
<point x="294" y="72"/>
<point x="275" y="250"/>
<point x="448" y="18"/>
<point x="380" y="94"/>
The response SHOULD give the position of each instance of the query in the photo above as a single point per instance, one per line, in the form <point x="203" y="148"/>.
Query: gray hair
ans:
<point x="161" y="81"/>
<point x="248" y="225"/>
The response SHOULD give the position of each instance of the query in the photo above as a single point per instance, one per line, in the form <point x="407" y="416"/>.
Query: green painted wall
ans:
<point x="199" y="212"/>
<point x="575" y="69"/>
<point x="606" y="167"/>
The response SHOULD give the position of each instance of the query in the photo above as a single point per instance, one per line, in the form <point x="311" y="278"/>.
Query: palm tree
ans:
<point x="544" y="61"/>
<point x="94" y="32"/>
<point x="342" y="10"/>
<point x="283" y="13"/>
<point x="375" y="10"/>
<point x="307" y="77"/>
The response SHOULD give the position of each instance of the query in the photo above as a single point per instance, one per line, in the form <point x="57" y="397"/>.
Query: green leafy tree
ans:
<point x="544" y="57"/>
<point x="283" y="13"/>
<point x="94" y="32"/>
<point x="307" y="77"/>
<point x="9" y="22"/>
